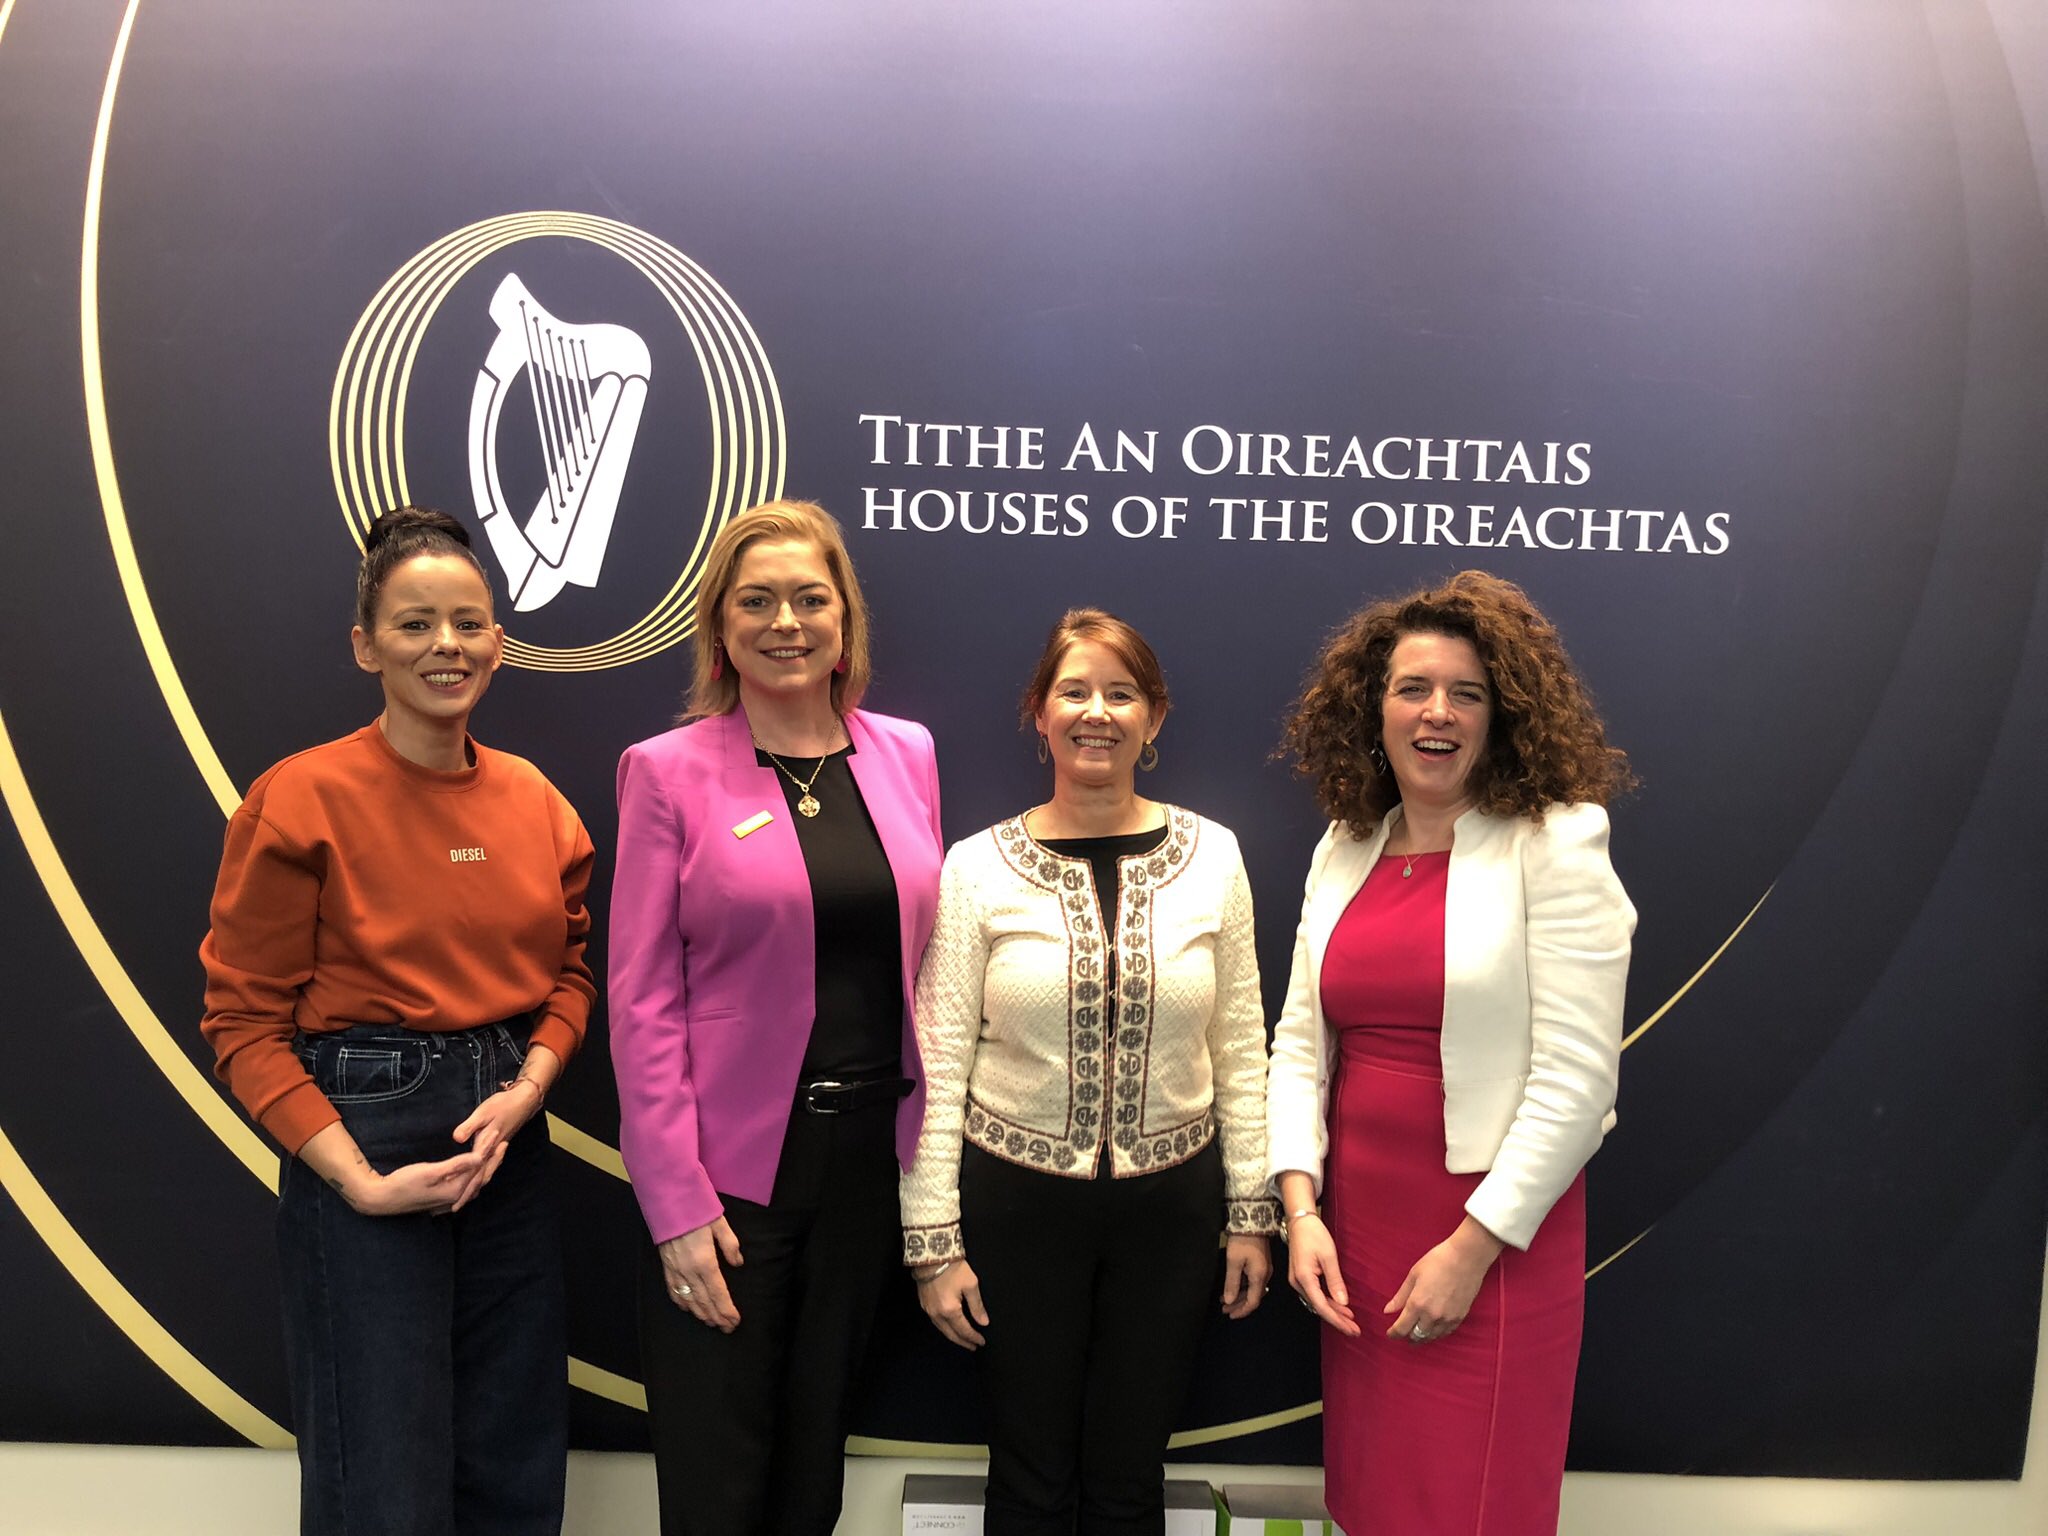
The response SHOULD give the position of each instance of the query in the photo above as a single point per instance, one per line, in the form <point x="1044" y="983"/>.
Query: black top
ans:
<point x="1103" y="854"/>
<point x="857" y="1033"/>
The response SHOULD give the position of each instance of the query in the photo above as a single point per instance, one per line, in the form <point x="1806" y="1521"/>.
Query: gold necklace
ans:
<point x="808" y="805"/>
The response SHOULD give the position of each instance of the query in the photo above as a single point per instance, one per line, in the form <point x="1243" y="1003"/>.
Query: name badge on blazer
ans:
<point x="753" y="824"/>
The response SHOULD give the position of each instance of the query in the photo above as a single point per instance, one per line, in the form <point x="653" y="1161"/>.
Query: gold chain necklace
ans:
<point x="808" y="805"/>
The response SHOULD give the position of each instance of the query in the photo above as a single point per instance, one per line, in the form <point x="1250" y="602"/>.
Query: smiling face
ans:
<point x="1434" y="719"/>
<point x="1095" y="719"/>
<point x="433" y="646"/>
<point x="781" y="619"/>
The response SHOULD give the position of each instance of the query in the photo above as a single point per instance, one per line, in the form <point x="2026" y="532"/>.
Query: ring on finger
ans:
<point x="681" y="1290"/>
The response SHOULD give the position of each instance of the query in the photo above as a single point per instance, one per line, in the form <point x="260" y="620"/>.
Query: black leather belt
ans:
<point x="833" y="1098"/>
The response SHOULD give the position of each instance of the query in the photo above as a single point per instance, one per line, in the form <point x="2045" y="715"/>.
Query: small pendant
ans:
<point x="1407" y="870"/>
<point x="808" y="806"/>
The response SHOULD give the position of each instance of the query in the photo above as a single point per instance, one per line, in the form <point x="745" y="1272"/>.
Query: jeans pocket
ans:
<point x="371" y="1074"/>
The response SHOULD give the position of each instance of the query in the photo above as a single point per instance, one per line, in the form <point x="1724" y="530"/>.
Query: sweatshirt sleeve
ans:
<point x="258" y="956"/>
<point x="566" y="1014"/>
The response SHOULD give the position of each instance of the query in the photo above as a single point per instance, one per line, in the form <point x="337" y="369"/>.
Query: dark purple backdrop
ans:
<point x="1778" y="265"/>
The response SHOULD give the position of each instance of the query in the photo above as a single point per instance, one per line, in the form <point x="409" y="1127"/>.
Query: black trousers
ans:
<point x="749" y="1427"/>
<point x="1097" y="1291"/>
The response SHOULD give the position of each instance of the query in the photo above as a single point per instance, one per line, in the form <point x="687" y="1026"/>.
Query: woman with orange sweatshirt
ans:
<point x="395" y="977"/>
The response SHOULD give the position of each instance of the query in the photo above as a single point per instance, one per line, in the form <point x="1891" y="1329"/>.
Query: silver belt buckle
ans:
<point x="811" y="1098"/>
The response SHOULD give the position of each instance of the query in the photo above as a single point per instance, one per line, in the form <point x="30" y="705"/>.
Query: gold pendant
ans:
<point x="808" y="806"/>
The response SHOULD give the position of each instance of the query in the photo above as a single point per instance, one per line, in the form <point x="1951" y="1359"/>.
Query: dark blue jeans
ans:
<point x="426" y="1352"/>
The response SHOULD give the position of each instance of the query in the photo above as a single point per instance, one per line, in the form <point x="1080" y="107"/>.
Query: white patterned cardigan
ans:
<point x="1010" y="1022"/>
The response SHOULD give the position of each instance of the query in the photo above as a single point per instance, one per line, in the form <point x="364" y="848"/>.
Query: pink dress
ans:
<point x="1462" y="1436"/>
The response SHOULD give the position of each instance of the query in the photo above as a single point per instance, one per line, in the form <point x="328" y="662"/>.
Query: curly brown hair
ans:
<point x="1545" y="745"/>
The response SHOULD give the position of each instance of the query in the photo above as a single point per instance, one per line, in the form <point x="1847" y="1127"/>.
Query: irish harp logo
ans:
<point x="584" y="388"/>
<point x="586" y="384"/>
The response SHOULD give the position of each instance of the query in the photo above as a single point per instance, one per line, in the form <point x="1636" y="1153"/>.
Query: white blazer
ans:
<point x="1536" y="944"/>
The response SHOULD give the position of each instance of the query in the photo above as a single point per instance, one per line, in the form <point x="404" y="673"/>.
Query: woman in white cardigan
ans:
<point x="1095" y="1055"/>
<point x="1446" y="1060"/>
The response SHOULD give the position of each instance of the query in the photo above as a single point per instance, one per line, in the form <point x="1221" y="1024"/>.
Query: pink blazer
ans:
<point x="713" y="955"/>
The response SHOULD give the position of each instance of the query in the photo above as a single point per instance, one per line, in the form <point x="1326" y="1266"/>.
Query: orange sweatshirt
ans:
<point x="359" y="888"/>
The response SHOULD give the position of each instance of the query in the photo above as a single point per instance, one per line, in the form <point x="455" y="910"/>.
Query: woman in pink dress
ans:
<point x="1446" y="1060"/>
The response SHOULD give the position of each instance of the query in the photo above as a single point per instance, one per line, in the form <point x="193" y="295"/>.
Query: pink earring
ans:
<point x="717" y="660"/>
<point x="841" y="664"/>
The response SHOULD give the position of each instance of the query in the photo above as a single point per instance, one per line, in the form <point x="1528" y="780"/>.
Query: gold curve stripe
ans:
<point x="189" y="1082"/>
<point x="6" y="10"/>
<point x="128" y="1314"/>
<point x="1209" y="1434"/>
<point x="146" y="627"/>
<point x="1624" y="1248"/>
<point x="1643" y="1028"/>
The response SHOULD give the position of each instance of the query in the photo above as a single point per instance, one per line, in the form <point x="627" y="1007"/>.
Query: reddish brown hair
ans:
<point x="1545" y="745"/>
<point x="1107" y="630"/>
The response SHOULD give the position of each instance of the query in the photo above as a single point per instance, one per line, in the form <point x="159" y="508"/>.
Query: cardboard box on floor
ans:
<point x="935" y="1505"/>
<point x="1273" y="1509"/>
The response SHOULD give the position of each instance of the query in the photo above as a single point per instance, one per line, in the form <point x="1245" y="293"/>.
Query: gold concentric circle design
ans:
<point x="366" y="417"/>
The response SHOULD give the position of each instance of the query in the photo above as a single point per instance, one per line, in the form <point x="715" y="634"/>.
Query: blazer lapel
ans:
<point x="877" y="787"/>
<point x="752" y="787"/>
<point x="1350" y="862"/>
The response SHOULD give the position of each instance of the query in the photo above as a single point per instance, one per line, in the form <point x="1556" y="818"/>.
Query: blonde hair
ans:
<point x="811" y="524"/>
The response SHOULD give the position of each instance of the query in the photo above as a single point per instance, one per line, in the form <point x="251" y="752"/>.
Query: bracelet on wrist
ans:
<point x="928" y="1279"/>
<point x="540" y="1094"/>
<point x="1306" y="1210"/>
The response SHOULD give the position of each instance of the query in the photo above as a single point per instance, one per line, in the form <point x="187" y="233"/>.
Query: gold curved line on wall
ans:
<point x="599" y="1382"/>
<point x="934" y="1450"/>
<point x="580" y="1143"/>
<point x="147" y="629"/>
<point x="1212" y="1434"/>
<point x="189" y="1082"/>
<point x="1242" y="1427"/>
<point x="1624" y="1248"/>
<point x="363" y="345"/>
<point x="6" y="10"/>
<point x="126" y="1313"/>
<point x="1643" y="1028"/>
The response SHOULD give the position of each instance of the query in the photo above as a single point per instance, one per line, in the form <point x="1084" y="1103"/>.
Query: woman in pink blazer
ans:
<point x="777" y="874"/>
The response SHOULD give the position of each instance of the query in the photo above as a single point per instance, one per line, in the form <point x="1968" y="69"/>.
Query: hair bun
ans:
<point x="404" y="520"/>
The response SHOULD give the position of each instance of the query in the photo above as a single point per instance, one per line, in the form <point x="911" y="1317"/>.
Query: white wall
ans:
<point x="48" y="1490"/>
